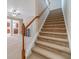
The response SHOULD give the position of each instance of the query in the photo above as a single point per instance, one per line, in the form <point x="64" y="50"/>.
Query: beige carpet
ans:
<point x="52" y="41"/>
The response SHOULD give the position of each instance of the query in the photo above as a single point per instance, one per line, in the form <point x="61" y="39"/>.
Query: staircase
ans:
<point x="52" y="41"/>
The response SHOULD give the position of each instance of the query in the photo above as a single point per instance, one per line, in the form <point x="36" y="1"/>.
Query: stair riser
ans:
<point x="55" y="30"/>
<point x="54" y="23"/>
<point x="55" y="16"/>
<point x="54" y="35"/>
<point x="53" y="26"/>
<point x="66" y="55"/>
<point x="54" y="41"/>
<point x="54" y="20"/>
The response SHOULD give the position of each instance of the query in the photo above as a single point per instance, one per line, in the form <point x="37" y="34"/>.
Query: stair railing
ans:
<point x="24" y="30"/>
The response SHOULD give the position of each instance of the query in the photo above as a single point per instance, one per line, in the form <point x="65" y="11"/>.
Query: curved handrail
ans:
<point x="28" y="18"/>
<point x="24" y="30"/>
<point x="35" y="18"/>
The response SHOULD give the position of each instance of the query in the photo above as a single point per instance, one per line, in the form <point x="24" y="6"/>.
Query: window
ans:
<point x="12" y="27"/>
<point x="15" y="27"/>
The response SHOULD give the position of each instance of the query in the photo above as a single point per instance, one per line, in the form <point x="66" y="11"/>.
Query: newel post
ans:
<point x="23" y="48"/>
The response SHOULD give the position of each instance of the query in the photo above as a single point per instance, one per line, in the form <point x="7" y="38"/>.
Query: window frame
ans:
<point x="18" y="20"/>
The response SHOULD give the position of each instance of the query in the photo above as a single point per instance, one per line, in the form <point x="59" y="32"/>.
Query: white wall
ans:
<point x="66" y="7"/>
<point x="55" y="4"/>
<point x="37" y="25"/>
<point x="40" y="5"/>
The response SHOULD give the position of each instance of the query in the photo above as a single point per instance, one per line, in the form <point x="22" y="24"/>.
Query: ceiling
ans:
<point x="26" y="7"/>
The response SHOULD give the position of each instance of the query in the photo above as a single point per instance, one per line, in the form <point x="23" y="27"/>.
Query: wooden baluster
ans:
<point x="23" y="48"/>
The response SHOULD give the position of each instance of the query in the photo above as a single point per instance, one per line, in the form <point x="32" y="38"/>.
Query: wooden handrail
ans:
<point x="24" y="31"/>
<point x="31" y="22"/>
<point x="35" y="18"/>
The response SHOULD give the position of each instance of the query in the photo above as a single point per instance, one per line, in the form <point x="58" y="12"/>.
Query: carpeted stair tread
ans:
<point x="54" y="26"/>
<point x="52" y="38"/>
<point x="54" y="46"/>
<point x="62" y="30"/>
<point x="65" y="44"/>
<point x="48" y="54"/>
<point x="36" y="56"/>
<point x="54" y="34"/>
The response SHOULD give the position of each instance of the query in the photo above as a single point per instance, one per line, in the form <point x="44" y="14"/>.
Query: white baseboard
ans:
<point x="69" y="39"/>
